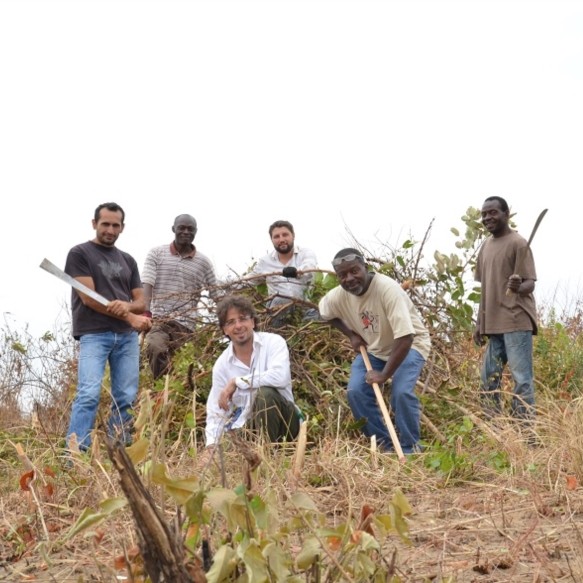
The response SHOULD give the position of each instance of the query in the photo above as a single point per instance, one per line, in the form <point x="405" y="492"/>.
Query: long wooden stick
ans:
<point x="300" y="450"/>
<point x="384" y="410"/>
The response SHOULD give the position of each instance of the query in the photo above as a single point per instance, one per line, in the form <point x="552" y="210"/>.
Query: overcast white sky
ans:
<point x="374" y="117"/>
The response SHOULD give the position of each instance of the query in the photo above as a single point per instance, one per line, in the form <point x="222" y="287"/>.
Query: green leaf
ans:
<point x="278" y="560"/>
<point x="385" y="521"/>
<point x="365" y="567"/>
<point x="309" y="554"/>
<point x="474" y="297"/>
<point x="255" y="562"/>
<point x="368" y="542"/>
<point x="329" y="282"/>
<point x="138" y="450"/>
<point x="189" y="420"/>
<point x="224" y="563"/>
<point x="232" y="507"/>
<point x="145" y="412"/>
<point x="303" y="501"/>
<point x="221" y="499"/>
<point x="110" y="505"/>
<point x="401" y="501"/>
<point x="240" y="489"/>
<point x="18" y="347"/>
<point x="180" y="489"/>
<point x="89" y="518"/>
<point x="260" y="511"/>
<point x="194" y="507"/>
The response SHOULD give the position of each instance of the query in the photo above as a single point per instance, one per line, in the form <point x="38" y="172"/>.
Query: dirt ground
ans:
<point x="510" y="529"/>
<point x="478" y="534"/>
<point x="475" y="533"/>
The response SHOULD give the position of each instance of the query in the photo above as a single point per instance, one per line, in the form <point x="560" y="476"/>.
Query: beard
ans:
<point x="284" y="247"/>
<point x="106" y="240"/>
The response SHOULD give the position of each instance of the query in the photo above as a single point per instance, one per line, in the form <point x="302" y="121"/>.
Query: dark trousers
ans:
<point x="162" y="341"/>
<point x="274" y="415"/>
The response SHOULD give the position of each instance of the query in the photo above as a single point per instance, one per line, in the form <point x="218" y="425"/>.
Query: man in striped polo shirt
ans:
<point x="174" y="277"/>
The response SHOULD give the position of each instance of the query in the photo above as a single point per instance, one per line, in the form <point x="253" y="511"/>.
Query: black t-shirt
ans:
<point x="114" y="273"/>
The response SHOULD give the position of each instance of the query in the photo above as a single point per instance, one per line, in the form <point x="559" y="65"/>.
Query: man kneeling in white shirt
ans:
<point x="251" y="382"/>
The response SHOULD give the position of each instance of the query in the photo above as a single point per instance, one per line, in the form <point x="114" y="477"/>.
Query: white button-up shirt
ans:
<point x="288" y="287"/>
<point x="270" y="367"/>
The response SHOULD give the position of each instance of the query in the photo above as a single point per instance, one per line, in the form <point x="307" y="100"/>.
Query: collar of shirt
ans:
<point x="275" y="254"/>
<point x="174" y="251"/>
<point x="256" y="343"/>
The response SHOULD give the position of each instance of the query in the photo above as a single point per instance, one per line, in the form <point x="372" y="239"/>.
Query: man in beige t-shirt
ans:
<point x="374" y="311"/>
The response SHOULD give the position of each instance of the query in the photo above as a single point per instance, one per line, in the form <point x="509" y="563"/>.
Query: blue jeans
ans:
<point x="122" y="351"/>
<point x="514" y="349"/>
<point x="404" y="401"/>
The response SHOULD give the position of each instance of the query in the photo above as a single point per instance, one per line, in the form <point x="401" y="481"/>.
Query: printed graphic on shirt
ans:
<point x="110" y="269"/>
<point x="369" y="321"/>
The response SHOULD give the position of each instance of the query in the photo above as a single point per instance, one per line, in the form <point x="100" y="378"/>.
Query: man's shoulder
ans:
<point x="333" y="297"/>
<point x="91" y="250"/>
<point x="128" y="256"/>
<point x="270" y="256"/>
<point x="305" y="253"/>
<point x="266" y="262"/>
<point x="227" y="351"/>
<point x="270" y="337"/>
<point x="159" y="250"/>
<point x="336" y="292"/>
<point x="81" y="247"/>
<point x="263" y="334"/>
<point x="518" y="237"/>
<point x="383" y="281"/>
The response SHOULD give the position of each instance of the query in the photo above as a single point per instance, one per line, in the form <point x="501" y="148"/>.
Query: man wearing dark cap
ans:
<point x="375" y="312"/>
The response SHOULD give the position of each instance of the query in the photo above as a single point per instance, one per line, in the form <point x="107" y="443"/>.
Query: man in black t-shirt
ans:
<point x="107" y="334"/>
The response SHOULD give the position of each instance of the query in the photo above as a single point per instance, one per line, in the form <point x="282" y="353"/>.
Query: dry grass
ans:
<point x="476" y="523"/>
<point x="486" y="506"/>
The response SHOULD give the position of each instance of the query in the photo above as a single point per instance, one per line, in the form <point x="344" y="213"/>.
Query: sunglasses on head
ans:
<point x="352" y="257"/>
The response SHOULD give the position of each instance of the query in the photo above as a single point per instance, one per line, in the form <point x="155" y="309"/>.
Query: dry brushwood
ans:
<point x="251" y="457"/>
<point x="161" y="547"/>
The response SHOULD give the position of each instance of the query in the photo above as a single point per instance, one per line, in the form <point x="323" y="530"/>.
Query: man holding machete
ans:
<point x="105" y="333"/>
<point x="507" y="318"/>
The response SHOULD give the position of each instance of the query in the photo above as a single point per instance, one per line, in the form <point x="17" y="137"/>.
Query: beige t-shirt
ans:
<point x="380" y="315"/>
<point x="498" y="259"/>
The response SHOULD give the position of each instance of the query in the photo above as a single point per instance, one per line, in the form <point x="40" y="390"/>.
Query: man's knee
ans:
<point x="266" y="399"/>
<point x="274" y="414"/>
<point x="357" y="383"/>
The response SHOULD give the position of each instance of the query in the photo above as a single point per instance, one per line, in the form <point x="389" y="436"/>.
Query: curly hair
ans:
<point x="240" y="303"/>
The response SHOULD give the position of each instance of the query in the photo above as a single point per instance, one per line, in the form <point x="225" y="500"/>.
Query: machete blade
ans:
<point x="57" y="272"/>
<point x="536" y="225"/>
